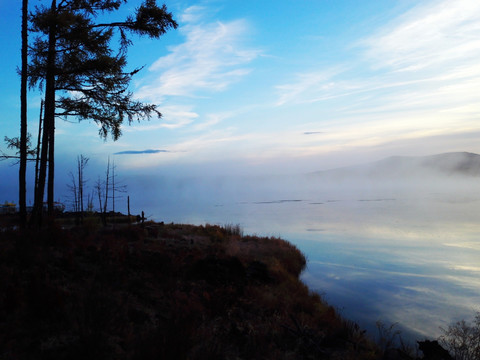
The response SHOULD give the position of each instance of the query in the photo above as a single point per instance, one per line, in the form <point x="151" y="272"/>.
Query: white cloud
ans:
<point x="212" y="57"/>
<point x="193" y="14"/>
<point x="421" y="70"/>
<point x="178" y="116"/>
<point x="430" y="35"/>
<point x="212" y="120"/>
<point x="308" y="86"/>
<point x="173" y="117"/>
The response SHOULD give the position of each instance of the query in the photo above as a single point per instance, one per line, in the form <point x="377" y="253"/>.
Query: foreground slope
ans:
<point x="163" y="292"/>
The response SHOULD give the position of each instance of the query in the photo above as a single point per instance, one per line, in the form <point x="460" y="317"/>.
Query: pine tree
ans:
<point x="83" y="75"/>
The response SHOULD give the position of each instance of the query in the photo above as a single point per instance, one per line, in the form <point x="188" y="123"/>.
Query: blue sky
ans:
<point x="285" y="86"/>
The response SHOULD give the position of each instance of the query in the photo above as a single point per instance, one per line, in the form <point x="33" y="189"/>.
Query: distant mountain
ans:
<point x="444" y="165"/>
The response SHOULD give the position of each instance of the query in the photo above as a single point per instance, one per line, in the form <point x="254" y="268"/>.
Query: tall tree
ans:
<point x="83" y="75"/>
<point x="22" y="187"/>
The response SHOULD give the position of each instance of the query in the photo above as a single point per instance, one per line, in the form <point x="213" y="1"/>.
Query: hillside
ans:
<point x="163" y="292"/>
<point x="457" y="164"/>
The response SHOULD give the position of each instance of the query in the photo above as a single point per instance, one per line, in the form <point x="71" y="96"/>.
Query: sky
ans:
<point x="283" y="86"/>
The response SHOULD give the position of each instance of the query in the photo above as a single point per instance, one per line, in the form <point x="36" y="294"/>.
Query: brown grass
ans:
<point x="163" y="292"/>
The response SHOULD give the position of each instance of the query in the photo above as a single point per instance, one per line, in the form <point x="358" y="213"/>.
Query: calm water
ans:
<point x="406" y="254"/>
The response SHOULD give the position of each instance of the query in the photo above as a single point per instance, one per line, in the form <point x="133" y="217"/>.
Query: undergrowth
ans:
<point x="163" y="292"/>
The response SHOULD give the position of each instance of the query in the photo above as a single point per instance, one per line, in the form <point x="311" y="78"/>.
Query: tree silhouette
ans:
<point x="83" y="75"/>
<point x="22" y="187"/>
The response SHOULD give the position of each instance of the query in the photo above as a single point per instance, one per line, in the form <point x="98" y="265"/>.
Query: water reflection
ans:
<point x="398" y="262"/>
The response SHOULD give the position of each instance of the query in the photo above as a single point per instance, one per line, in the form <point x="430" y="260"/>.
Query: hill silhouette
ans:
<point x="454" y="164"/>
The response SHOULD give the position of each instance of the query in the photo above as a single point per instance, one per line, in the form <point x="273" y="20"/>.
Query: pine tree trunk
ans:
<point x="51" y="163"/>
<point x="39" y="142"/>
<point x="22" y="186"/>
<point x="48" y="122"/>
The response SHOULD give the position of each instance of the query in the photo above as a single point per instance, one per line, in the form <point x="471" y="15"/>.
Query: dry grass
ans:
<point x="163" y="292"/>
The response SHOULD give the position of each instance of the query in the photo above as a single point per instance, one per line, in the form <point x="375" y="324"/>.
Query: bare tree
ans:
<point x="82" y="162"/>
<point x="99" y="192"/>
<point x="116" y="187"/>
<point x="73" y="189"/>
<point x="107" y="187"/>
<point x="90" y="198"/>
<point x="462" y="339"/>
<point x="77" y="186"/>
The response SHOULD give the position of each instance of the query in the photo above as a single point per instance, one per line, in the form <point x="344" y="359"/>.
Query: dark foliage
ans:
<point x="432" y="350"/>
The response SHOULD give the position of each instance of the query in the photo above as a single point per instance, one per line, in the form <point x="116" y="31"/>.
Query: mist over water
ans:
<point x="400" y="250"/>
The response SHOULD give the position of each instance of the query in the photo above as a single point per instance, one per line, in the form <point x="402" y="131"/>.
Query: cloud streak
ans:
<point x="310" y="87"/>
<point x="430" y="35"/>
<point x="418" y="76"/>
<point x="427" y="49"/>
<point x="140" y="152"/>
<point x="212" y="57"/>
<point x="313" y="132"/>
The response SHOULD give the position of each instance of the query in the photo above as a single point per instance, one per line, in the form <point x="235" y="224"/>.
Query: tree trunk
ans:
<point x="98" y="187"/>
<point x="48" y="122"/>
<point x="128" y="208"/>
<point x="107" y="185"/>
<point x="22" y="186"/>
<point x="113" y="192"/>
<point x="81" y="164"/>
<point x="51" y="166"/>
<point x="39" y="142"/>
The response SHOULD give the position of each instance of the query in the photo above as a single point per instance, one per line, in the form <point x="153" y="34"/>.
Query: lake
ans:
<point x="406" y="253"/>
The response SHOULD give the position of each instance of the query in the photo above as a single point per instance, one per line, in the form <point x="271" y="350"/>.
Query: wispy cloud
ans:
<point x="174" y="117"/>
<point x="212" y="57"/>
<point x="213" y="119"/>
<point x="431" y="34"/>
<point x="313" y="132"/>
<point x="308" y="87"/>
<point x="139" y="152"/>
<point x="193" y="14"/>
<point x="417" y="76"/>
